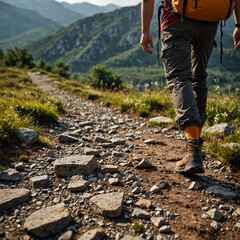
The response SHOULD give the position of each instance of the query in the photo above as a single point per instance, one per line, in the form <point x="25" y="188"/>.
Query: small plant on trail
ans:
<point x="138" y="228"/>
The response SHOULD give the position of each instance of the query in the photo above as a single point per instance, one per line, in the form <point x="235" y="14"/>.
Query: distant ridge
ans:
<point x="14" y="21"/>
<point x="49" y="9"/>
<point x="89" y="9"/>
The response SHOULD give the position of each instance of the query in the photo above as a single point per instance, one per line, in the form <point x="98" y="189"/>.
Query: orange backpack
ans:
<point x="204" y="10"/>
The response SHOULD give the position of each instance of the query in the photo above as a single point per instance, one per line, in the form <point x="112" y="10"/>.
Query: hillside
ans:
<point x="29" y="36"/>
<point x="49" y="9"/>
<point x="113" y="39"/>
<point x="89" y="9"/>
<point x="14" y="21"/>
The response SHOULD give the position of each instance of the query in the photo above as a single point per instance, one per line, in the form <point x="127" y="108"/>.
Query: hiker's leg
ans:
<point x="201" y="50"/>
<point x="176" y="55"/>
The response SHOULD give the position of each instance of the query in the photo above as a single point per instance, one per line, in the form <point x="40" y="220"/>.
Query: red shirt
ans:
<point x="168" y="19"/>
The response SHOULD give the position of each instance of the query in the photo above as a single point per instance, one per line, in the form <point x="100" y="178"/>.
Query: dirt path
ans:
<point x="184" y="209"/>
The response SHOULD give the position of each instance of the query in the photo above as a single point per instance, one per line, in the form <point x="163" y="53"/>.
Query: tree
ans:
<point x="62" y="69"/>
<point x="102" y="78"/>
<point x="48" y="67"/>
<point x="1" y="54"/>
<point x="18" y="57"/>
<point x="41" y="64"/>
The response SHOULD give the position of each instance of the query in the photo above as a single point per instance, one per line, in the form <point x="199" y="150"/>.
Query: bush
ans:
<point x="62" y="69"/>
<point x="102" y="78"/>
<point x="18" y="57"/>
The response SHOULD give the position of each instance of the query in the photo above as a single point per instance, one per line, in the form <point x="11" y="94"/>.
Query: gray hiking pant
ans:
<point x="186" y="48"/>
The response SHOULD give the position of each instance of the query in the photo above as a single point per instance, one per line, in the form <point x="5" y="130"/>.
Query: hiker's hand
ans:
<point x="236" y="38"/>
<point x="146" y="39"/>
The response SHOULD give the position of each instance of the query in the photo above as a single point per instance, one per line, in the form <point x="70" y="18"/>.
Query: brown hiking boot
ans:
<point x="192" y="162"/>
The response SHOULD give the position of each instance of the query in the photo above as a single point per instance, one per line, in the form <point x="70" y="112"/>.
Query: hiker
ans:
<point x="186" y="48"/>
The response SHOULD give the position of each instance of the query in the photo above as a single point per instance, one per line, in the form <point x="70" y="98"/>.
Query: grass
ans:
<point x="22" y="104"/>
<point x="138" y="228"/>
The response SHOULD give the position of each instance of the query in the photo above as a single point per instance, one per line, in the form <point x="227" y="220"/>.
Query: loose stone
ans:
<point x="222" y="192"/>
<point x="165" y="229"/>
<point x="214" y="214"/>
<point x="66" y="138"/>
<point x="95" y="234"/>
<point x="10" y="175"/>
<point x="145" y="163"/>
<point x="91" y="151"/>
<point x="117" y="154"/>
<point x="10" y="198"/>
<point x="66" y="236"/>
<point x="215" y="225"/>
<point x="20" y="166"/>
<point x="28" y="136"/>
<point x="143" y="203"/>
<point x="150" y="141"/>
<point x="48" y="221"/>
<point x="195" y="186"/>
<point x="108" y="204"/>
<point x="118" y="141"/>
<point x="158" y="221"/>
<point x="40" y="181"/>
<point x="73" y="165"/>
<point x="77" y="184"/>
<point x="109" y="169"/>
<point x="139" y="213"/>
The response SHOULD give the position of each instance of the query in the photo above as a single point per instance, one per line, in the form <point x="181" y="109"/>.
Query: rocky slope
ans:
<point x="107" y="171"/>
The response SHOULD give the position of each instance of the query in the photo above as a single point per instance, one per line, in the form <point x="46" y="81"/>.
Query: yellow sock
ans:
<point x="192" y="132"/>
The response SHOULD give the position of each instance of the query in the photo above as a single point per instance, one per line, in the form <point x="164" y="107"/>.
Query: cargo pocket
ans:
<point x="165" y="47"/>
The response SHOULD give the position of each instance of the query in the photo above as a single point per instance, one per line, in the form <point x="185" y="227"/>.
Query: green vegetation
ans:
<point x="138" y="228"/>
<point x="22" y="104"/>
<point x="23" y="158"/>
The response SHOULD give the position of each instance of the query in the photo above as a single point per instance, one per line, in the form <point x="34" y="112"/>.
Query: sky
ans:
<point x="105" y="2"/>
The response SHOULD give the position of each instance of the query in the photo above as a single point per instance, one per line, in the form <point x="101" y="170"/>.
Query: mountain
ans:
<point x="29" y="36"/>
<point x="14" y="21"/>
<point x="49" y="9"/>
<point x="113" y="39"/>
<point x="89" y="9"/>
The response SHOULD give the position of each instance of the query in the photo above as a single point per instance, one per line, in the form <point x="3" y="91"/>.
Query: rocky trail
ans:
<point x="108" y="171"/>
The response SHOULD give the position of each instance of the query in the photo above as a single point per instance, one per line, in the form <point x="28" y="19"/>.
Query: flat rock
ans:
<point x="77" y="184"/>
<point x="64" y="137"/>
<point x="10" y="198"/>
<point x="195" y="186"/>
<point x="214" y="214"/>
<point x="158" y="221"/>
<point x="165" y="229"/>
<point x="113" y="181"/>
<point x="118" y="141"/>
<point x="10" y="175"/>
<point x="108" y="204"/>
<point x="95" y="234"/>
<point x="161" y="119"/>
<point x="140" y="213"/>
<point x="74" y="165"/>
<point x="87" y="123"/>
<point x="223" y="128"/>
<point x="129" y="237"/>
<point x="28" y="136"/>
<point x="66" y="236"/>
<point x="145" y="163"/>
<point x="48" y="221"/>
<point x="107" y="145"/>
<point x="40" y="181"/>
<point x="143" y="203"/>
<point x="117" y="154"/>
<point x="150" y="141"/>
<point x="110" y="168"/>
<point x="91" y="151"/>
<point x="101" y="140"/>
<point x="222" y="192"/>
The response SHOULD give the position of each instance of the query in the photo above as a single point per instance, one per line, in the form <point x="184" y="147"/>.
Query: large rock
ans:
<point x="77" y="184"/>
<point x="10" y="198"/>
<point x="74" y="165"/>
<point x="10" y="175"/>
<point x="108" y="204"/>
<point x="95" y="234"/>
<point x="28" y="136"/>
<point x="223" y="128"/>
<point x="222" y="192"/>
<point x="161" y="119"/>
<point x="48" y="221"/>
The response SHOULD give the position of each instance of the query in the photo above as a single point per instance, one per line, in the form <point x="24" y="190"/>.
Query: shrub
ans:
<point x="62" y="69"/>
<point x="138" y="228"/>
<point x="102" y="78"/>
